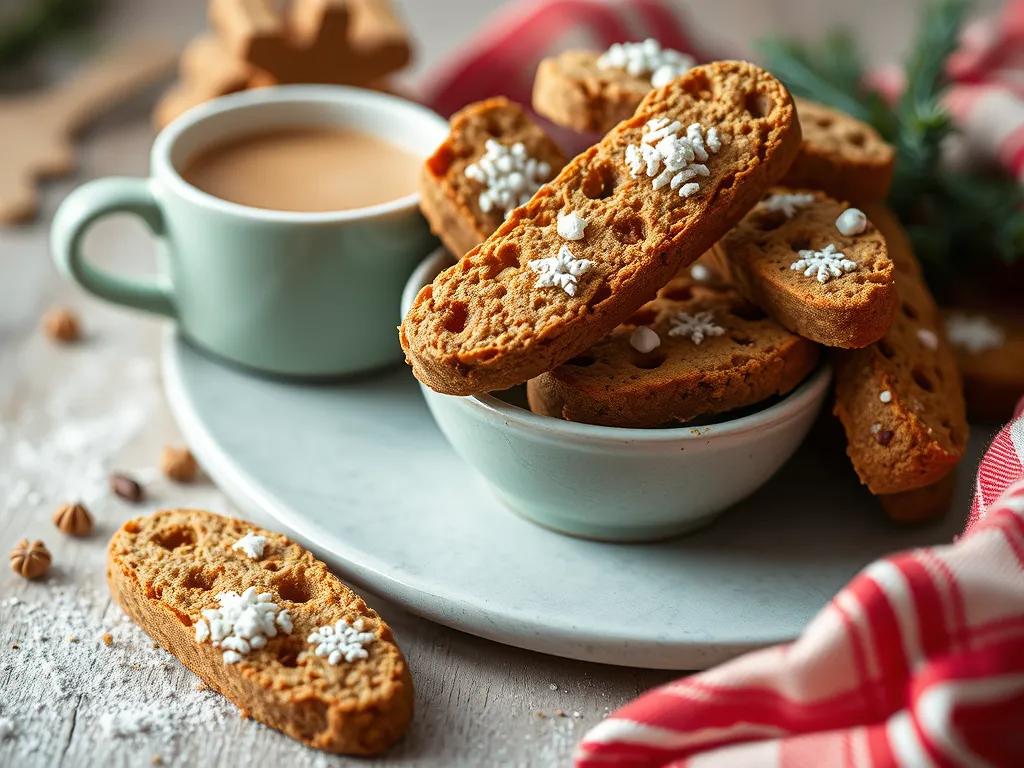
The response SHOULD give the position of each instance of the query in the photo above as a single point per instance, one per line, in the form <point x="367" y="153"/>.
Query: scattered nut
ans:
<point x="73" y="519"/>
<point x="62" y="324"/>
<point x="30" y="561"/>
<point x="178" y="464"/>
<point x="126" y="488"/>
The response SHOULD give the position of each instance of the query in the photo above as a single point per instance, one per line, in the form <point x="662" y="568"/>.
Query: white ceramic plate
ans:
<point x="360" y="474"/>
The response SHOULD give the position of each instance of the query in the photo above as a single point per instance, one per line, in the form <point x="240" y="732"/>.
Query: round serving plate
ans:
<point x="358" y="472"/>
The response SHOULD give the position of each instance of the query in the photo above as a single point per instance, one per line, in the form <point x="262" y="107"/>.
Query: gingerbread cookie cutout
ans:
<point x="38" y="128"/>
<point x="598" y="242"/>
<point x="697" y="350"/>
<point x="794" y="257"/>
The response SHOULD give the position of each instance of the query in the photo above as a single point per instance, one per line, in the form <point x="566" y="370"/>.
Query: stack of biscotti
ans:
<point x="592" y="294"/>
<point x="264" y="623"/>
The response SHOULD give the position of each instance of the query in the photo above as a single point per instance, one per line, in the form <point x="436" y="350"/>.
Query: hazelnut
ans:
<point x="30" y="561"/>
<point x="62" y="324"/>
<point x="73" y="519"/>
<point x="126" y="488"/>
<point x="178" y="464"/>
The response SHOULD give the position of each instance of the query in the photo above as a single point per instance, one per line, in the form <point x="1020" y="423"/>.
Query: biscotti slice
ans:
<point x="789" y="257"/>
<point x="900" y="399"/>
<point x="598" y="242"/>
<point x="463" y="194"/>
<point x="588" y="91"/>
<point x="264" y="623"/>
<point x="840" y="155"/>
<point x="990" y="352"/>
<point x="696" y="350"/>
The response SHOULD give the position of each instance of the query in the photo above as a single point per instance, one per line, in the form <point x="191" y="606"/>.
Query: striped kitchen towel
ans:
<point x="919" y="661"/>
<point x="987" y="99"/>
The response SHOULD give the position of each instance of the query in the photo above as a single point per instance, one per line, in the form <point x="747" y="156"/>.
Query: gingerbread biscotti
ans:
<point x="840" y="155"/>
<point x="615" y="226"/>
<point x="794" y="257"/>
<point x="264" y="623"/>
<point x="989" y="349"/>
<point x="900" y="400"/>
<point x="696" y="350"/>
<point x="457" y="197"/>
<point x="588" y="91"/>
<point x="921" y="504"/>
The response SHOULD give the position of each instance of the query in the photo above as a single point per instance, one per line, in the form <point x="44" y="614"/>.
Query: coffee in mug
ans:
<point x="304" y="170"/>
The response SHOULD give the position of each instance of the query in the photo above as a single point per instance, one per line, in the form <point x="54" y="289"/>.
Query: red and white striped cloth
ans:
<point x="919" y="661"/>
<point x="987" y="100"/>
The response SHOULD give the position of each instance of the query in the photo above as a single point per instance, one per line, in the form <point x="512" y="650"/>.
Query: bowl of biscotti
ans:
<point x="626" y="343"/>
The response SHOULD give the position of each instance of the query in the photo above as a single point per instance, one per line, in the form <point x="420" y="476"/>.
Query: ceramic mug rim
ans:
<point x="262" y="98"/>
<point x="491" y="407"/>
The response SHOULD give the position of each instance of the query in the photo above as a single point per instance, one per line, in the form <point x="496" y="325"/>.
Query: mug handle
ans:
<point x="76" y="215"/>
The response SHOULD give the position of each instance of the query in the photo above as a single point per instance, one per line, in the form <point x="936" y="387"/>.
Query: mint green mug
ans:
<point x="295" y="294"/>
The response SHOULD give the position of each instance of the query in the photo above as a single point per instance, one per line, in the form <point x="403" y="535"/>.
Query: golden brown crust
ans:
<point x="993" y="377"/>
<point x="615" y="385"/>
<point x="916" y="438"/>
<point x="165" y="569"/>
<point x="921" y="504"/>
<point x="571" y="90"/>
<point x="448" y="199"/>
<point x="485" y="324"/>
<point x="848" y="311"/>
<point x="841" y="156"/>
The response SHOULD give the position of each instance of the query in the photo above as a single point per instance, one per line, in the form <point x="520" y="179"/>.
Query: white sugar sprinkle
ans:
<point x="644" y="340"/>
<point x="974" y="333"/>
<point x="700" y="273"/>
<point x="672" y="159"/>
<point x="786" y="203"/>
<point x="251" y="544"/>
<point x="243" y="623"/>
<point x="886" y="397"/>
<point x="509" y="175"/>
<point x="852" y="221"/>
<point x="928" y="338"/>
<point x="647" y="58"/>
<point x="561" y="271"/>
<point x="571" y="225"/>
<point x="342" y="641"/>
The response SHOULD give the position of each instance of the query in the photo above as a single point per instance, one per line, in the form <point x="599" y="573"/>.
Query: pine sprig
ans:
<point x="953" y="218"/>
<point x="39" y="22"/>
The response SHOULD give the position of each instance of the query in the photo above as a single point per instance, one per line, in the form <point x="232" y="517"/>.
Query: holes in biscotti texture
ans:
<point x="738" y="360"/>
<point x="858" y="139"/>
<point x="293" y="587"/>
<point x="909" y="311"/>
<point x="643" y="316"/>
<point x="271" y="565"/>
<point x="289" y="650"/>
<point x="741" y="338"/>
<point x="677" y="293"/>
<point x="628" y="230"/>
<point x="697" y="84"/>
<point x="886" y="349"/>
<point x="770" y="220"/>
<point x="823" y="121"/>
<point x="582" y="361"/>
<point x="174" y="537"/>
<point x="757" y="104"/>
<point x="455" y="319"/>
<point x="505" y="256"/>
<point x="603" y="292"/>
<point x="197" y="578"/>
<point x="748" y="311"/>
<point x="923" y="379"/>
<point x="650" y="361"/>
<point x="599" y="183"/>
<point x="799" y="244"/>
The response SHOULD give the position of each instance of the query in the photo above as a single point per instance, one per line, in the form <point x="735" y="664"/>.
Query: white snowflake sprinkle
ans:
<point x="700" y="273"/>
<point x="673" y="159"/>
<point x="852" y="221"/>
<point x="242" y="623"/>
<point x="571" y="225"/>
<point x="975" y="334"/>
<point x="886" y="397"/>
<point x="698" y="327"/>
<point x="785" y="203"/>
<point x="251" y="544"/>
<point x="560" y="271"/>
<point x="824" y="264"/>
<point x="509" y="175"/>
<point x="647" y="58"/>
<point x="644" y="340"/>
<point x="928" y="338"/>
<point x="342" y="641"/>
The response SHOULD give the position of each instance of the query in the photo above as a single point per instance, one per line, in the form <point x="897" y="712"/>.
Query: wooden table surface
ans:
<point x="69" y="415"/>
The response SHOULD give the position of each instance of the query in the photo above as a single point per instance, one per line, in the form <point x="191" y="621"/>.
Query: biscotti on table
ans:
<point x="596" y="243"/>
<point x="264" y="623"/>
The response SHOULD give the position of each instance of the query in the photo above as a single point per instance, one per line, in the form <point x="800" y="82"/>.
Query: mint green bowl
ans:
<point x="616" y="484"/>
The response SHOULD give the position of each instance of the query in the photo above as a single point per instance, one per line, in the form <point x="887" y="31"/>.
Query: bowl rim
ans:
<point x="810" y="389"/>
